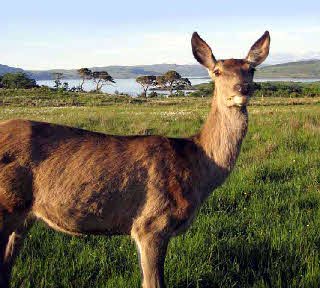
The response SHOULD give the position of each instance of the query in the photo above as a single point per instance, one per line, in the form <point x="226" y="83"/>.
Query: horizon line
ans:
<point x="134" y="65"/>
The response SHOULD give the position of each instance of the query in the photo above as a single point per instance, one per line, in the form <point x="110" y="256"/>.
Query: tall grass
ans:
<point x="260" y="229"/>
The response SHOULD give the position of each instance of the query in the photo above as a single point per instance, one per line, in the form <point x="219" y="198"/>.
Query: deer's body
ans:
<point x="83" y="182"/>
<point x="149" y="187"/>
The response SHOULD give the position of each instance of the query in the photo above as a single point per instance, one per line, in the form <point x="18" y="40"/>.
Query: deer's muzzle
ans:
<point x="240" y="100"/>
<point x="243" y="88"/>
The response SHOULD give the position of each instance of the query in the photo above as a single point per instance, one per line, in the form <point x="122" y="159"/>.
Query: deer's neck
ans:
<point x="221" y="138"/>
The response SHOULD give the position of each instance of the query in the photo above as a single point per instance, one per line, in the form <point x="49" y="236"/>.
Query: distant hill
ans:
<point x="300" y="69"/>
<point x="7" y="69"/>
<point x="129" y="71"/>
<point x="46" y="74"/>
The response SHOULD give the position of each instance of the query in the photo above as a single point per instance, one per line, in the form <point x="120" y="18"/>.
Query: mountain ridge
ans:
<point x="298" y="69"/>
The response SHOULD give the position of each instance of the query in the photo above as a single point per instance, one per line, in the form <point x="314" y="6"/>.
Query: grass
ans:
<point x="260" y="229"/>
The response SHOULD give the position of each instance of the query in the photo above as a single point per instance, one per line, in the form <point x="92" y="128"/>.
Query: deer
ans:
<point x="148" y="187"/>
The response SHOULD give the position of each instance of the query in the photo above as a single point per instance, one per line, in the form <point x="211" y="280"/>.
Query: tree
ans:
<point x="182" y="84"/>
<point x="85" y="74"/>
<point x="146" y="82"/>
<point x="101" y="78"/>
<point x="65" y="86"/>
<point x="161" y="81"/>
<point x="172" y="80"/>
<point x="58" y="77"/>
<point x="19" y="80"/>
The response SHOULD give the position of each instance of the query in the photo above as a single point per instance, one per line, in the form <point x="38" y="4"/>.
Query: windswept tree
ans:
<point x="161" y="81"/>
<point x="172" y="80"/>
<point x="175" y="81"/>
<point x="101" y="78"/>
<point x="146" y="82"/>
<point x="85" y="74"/>
<point x="57" y="76"/>
<point x="182" y="84"/>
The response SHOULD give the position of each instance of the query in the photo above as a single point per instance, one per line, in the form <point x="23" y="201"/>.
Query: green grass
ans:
<point x="260" y="229"/>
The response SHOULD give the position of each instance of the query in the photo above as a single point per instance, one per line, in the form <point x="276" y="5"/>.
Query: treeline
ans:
<point x="170" y="81"/>
<point x="287" y="89"/>
<point x="268" y="89"/>
<point x="21" y="80"/>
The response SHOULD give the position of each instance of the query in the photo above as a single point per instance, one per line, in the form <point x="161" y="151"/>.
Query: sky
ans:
<point x="40" y="35"/>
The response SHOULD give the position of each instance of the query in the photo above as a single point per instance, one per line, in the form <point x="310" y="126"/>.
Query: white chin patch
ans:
<point x="240" y="100"/>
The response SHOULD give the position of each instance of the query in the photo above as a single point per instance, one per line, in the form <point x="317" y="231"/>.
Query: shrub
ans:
<point x="153" y="94"/>
<point x="179" y="93"/>
<point x="17" y="81"/>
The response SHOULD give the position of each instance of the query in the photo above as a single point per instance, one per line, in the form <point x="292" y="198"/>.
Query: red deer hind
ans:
<point x="149" y="187"/>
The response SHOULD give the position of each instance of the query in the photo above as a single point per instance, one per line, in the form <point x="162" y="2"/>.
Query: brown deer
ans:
<point x="150" y="187"/>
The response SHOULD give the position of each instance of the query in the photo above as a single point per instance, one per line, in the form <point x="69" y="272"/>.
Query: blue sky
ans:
<point x="74" y="34"/>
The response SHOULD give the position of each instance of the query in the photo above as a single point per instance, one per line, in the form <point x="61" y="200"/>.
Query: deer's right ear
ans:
<point x="202" y="52"/>
<point x="259" y="50"/>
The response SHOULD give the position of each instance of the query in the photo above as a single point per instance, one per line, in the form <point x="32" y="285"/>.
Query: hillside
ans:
<point x="7" y="69"/>
<point x="129" y="71"/>
<point x="300" y="69"/>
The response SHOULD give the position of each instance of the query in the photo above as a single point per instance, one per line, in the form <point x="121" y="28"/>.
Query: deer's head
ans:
<point x="233" y="77"/>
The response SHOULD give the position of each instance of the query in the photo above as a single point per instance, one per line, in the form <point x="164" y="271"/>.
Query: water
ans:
<point x="127" y="86"/>
<point x="131" y="87"/>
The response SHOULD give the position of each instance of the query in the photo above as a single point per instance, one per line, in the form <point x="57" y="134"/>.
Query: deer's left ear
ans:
<point x="202" y="52"/>
<point x="259" y="50"/>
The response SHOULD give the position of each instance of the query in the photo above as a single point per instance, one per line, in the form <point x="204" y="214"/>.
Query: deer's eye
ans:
<point x="217" y="73"/>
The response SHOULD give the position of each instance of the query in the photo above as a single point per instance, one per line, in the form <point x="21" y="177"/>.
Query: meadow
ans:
<point x="260" y="229"/>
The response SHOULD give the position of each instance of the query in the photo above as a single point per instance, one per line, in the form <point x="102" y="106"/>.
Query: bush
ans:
<point x="153" y="94"/>
<point x="179" y="93"/>
<point x="198" y="93"/>
<point x="287" y="89"/>
<point x="269" y="89"/>
<point x="18" y="81"/>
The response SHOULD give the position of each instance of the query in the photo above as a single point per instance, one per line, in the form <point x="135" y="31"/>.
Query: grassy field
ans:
<point x="260" y="229"/>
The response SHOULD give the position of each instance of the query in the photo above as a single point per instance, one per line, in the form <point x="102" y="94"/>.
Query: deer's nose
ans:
<point x="243" y="88"/>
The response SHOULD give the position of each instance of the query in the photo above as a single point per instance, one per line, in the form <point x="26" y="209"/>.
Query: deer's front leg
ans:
<point x="152" y="248"/>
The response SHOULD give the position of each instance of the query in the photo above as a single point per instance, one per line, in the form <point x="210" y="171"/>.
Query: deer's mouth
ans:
<point x="240" y="100"/>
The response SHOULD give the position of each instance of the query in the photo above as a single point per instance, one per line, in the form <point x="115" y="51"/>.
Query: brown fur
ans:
<point x="149" y="187"/>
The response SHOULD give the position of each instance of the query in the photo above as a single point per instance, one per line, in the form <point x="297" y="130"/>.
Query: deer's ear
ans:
<point x="259" y="50"/>
<point x="202" y="52"/>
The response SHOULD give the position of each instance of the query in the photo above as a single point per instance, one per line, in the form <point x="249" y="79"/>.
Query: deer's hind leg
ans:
<point x="15" y="228"/>
<point x="15" y="204"/>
